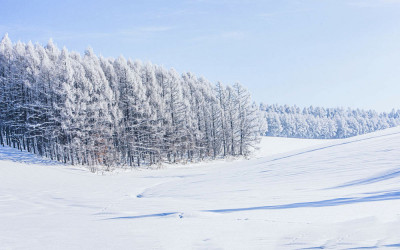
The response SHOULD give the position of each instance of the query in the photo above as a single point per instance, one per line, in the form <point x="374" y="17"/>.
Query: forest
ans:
<point x="92" y="110"/>
<point x="325" y="123"/>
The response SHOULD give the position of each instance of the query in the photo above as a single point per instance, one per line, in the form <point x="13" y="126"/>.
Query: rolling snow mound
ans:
<point x="339" y="194"/>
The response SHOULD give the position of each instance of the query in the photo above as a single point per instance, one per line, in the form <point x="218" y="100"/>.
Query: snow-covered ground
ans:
<point x="309" y="194"/>
<point x="277" y="145"/>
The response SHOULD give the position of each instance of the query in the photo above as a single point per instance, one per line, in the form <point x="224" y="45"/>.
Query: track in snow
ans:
<point x="340" y="194"/>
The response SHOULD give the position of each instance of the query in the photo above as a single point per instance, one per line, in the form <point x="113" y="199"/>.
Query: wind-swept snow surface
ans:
<point x="341" y="194"/>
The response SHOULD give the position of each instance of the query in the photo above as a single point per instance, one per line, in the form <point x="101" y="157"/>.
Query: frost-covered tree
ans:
<point x="318" y="122"/>
<point x="248" y="128"/>
<point x="102" y="111"/>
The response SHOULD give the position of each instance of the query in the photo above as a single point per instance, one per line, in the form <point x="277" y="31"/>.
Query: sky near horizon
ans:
<point x="306" y="52"/>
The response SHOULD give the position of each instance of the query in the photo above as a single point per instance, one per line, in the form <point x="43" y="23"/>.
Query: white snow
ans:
<point x="275" y="145"/>
<point x="339" y="194"/>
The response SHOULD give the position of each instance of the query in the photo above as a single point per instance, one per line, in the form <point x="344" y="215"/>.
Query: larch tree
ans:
<point x="93" y="111"/>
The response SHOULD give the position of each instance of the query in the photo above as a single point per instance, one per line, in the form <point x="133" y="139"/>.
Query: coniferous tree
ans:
<point x="96" y="111"/>
<point x="318" y="122"/>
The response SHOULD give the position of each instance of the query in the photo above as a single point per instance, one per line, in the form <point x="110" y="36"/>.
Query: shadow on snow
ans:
<point x="323" y="203"/>
<point x="12" y="154"/>
<point x="141" y="216"/>
<point x="381" y="177"/>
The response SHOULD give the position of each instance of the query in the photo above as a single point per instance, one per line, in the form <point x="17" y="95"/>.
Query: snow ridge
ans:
<point x="338" y="194"/>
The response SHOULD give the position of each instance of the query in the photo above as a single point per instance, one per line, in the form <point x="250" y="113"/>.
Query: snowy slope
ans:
<point x="339" y="194"/>
<point x="276" y="145"/>
<point x="12" y="154"/>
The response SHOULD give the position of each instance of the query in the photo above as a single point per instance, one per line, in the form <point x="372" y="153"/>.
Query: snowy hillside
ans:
<point x="341" y="194"/>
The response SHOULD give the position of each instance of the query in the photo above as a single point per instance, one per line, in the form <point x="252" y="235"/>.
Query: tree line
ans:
<point x="93" y="110"/>
<point x="325" y="123"/>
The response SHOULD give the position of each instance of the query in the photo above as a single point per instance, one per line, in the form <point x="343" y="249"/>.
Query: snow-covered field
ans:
<point x="294" y="194"/>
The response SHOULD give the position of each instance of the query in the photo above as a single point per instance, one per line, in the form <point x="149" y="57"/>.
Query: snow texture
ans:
<point x="309" y="194"/>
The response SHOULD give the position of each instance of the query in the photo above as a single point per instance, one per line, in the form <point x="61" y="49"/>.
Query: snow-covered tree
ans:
<point x="102" y="111"/>
<point x="324" y="123"/>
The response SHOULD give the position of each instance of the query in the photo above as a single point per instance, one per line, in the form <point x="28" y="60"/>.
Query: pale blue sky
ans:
<point x="306" y="52"/>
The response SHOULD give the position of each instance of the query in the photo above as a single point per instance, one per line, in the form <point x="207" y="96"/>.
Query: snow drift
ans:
<point x="340" y="194"/>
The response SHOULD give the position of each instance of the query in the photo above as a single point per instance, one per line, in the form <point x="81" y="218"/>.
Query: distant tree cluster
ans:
<point x="96" y="111"/>
<point x="325" y="123"/>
